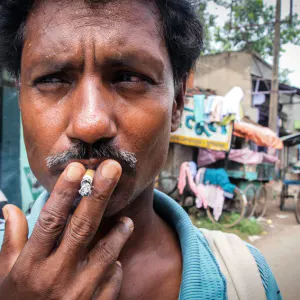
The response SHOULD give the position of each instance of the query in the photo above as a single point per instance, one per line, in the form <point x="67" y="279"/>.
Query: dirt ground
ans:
<point x="280" y="244"/>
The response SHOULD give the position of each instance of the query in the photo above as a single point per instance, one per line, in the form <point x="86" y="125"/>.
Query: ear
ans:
<point x="18" y="87"/>
<point x="178" y="105"/>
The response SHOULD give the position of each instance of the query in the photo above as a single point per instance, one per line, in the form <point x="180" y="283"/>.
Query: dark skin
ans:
<point x="91" y="73"/>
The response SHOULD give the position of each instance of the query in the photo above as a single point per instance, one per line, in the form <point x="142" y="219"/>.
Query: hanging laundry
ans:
<point x="249" y="157"/>
<point x="185" y="172"/>
<point x="193" y="168"/>
<point x="258" y="99"/>
<point x="200" y="176"/>
<point x="209" y="101"/>
<point x="202" y="198"/>
<point x="207" y="157"/>
<point x="227" y="120"/>
<point x="216" y="200"/>
<point x="216" y="109"/>
<point x="199" y="110"/>
<point x="232" y="103"/>
<point x="215" y="196"/>
<point x="243" y="156"/>
<point x="219" y="177"/>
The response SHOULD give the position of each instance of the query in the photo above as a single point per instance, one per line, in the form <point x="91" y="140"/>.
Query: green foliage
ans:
<point x="284" y="76"/>
<point x="208" y="22"/>
<point x="251" y="27"/>
<point x="245" y="228"/>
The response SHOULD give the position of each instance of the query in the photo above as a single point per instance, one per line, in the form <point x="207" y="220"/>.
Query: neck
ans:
<point x="147" y="224"/>
<point x="153" y="246"/>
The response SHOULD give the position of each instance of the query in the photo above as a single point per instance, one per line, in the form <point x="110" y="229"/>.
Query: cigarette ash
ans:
<point x="86" y="184"/>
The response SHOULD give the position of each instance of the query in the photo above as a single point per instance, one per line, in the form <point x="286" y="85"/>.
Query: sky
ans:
<point x="291" y="58"/>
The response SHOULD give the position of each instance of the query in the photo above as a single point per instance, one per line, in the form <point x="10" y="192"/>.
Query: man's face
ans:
<point x="96" y="75"/>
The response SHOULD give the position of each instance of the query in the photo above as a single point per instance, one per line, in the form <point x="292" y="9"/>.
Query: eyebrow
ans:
<point x="144" y="59"/>
<point x="53" y="64"/>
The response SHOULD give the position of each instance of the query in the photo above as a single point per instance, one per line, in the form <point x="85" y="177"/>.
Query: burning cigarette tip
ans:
<point x="87" y="183"/>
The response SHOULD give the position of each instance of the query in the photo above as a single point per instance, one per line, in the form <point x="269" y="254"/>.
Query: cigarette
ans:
<point x="87" y="183"/>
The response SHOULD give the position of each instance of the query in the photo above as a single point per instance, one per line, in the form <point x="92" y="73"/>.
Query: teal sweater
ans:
<point x="201" y="277"/>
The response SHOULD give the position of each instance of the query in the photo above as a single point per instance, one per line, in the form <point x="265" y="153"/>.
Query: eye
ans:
<point x="48" y="80"/>
<point x="51" y="83"/>
<point x="131" y="78"/>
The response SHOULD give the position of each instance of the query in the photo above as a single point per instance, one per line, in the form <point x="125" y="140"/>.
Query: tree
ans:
<point x="284" y="76"/>
<point x="208" y="21"/>
<point x="251" y="27"/>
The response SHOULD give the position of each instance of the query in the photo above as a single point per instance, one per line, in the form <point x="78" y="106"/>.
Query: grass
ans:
<point x="245" y="228"/>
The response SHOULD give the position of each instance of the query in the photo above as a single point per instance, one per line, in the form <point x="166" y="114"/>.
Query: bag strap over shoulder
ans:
<point x="237" y="265"/>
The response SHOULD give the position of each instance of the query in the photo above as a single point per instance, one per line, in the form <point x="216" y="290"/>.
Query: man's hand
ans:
<point x="41" y="269"/>
<point x="15" y="238"/>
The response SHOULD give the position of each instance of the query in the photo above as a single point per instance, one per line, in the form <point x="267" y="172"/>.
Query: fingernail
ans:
<point x="110" y="169"/>
<point x="75" y="173"/>
<point x="128" y="222"/>
<point x="119" y="264"/>
<point x="5" y="213"/>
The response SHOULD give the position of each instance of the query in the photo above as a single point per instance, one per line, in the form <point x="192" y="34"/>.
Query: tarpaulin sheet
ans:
<point x="261" y="136"/>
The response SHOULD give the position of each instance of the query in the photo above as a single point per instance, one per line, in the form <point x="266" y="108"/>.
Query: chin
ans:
<point x="118" y="202"/>
<point x="124" y="197"/>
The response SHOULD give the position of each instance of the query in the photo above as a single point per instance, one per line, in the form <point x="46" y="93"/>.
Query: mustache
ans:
<point x="98" y="150"/>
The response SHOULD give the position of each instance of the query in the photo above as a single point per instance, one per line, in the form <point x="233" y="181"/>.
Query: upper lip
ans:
<point x="92" y="163"/>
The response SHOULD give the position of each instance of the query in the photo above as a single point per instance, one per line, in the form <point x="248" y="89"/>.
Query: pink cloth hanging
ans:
<point x="198" y="190"/>
<point x="185" y="172"/>
<point x="243" y="156"/>
<point x="215" y="196"/>
<point x="201" y="199"/>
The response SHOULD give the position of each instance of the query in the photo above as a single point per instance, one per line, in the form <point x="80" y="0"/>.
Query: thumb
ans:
<point x="15" y="236"/>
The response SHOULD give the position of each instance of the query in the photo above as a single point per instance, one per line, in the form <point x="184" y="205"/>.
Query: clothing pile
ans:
<point x="210" y="186"/>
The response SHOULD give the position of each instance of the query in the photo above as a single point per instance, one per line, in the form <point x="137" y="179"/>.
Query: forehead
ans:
<point x="64" y="27"/>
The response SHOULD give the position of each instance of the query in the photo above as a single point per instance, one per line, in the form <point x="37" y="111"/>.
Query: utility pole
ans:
<point x="273" y="106"/>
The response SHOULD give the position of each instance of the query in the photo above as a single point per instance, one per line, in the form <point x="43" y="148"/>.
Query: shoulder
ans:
<point x="267" y="277"/>
<point x="243" y="258"/>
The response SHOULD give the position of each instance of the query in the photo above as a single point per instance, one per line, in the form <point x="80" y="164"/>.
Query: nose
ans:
<point x="92" y="113"/>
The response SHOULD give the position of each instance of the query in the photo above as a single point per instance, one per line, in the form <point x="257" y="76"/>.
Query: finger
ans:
<point x="107" y="250"/>
<point x="55" y="213"/>
<point x="15" y="237"/>
<point x="87" y="217"/>
<point x="111" y="289"/>
<point x="96" y="269"/>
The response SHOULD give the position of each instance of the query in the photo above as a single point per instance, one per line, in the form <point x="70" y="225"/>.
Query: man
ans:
<point x="102" y="85"/>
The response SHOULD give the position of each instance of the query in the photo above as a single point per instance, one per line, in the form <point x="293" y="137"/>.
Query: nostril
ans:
<point x="90" y="130"/>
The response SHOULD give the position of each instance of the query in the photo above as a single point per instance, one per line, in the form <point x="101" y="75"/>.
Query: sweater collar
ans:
<point x="201" y="275"/>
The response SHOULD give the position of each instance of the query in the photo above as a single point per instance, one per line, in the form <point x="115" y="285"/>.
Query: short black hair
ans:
<point x="182" y="30"/>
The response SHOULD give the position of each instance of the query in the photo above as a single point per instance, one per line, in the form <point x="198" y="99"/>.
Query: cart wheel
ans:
<point x="283" y="195"/>
<point x="233" y="210"/>
<point x="250" y="193"/>
<point x="261" y="202"/>
<point x="297" y="211"/>
<point x="167" y="185"/>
